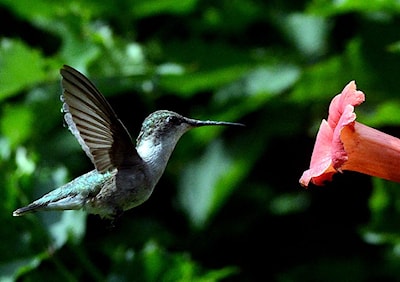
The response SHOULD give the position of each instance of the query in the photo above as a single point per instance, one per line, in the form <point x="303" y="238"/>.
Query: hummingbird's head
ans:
<point x="160" y="132"/>
<point x="167" y="124"/>
<point x="161" y="124"/>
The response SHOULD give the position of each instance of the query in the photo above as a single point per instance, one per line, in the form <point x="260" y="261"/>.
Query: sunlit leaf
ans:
<point x="61" y="225"/>
<point x="311" y="87"/>
<point x="64" y="226"/>
<point x="206" y="184"/>
<point x="17" y="123"/>
<point x="308" y="33"/>
<point x="176" y="266"/>
<point x="190" y="83"/>
<point x="20" y="66"/>
<point x="383" y="203"/>
<point x="24" y="8"/>
<point x="25" y="165"/>
<point x="259" y="84"/>
<point x="385" y="114"/>
<point x="147" y="8"/>
<point x="329" y="7"/>
<point x="11" y="271"/>
<point x="251" y="92"/>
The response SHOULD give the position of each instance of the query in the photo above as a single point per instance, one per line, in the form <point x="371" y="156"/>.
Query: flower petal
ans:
<point x="350" y="96"/>
<point x="329" y="153"/>
<point x="338" y="153"/>
<point x="321" y="161"/>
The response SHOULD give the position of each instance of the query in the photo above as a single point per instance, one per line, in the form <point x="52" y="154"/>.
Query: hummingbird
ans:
<point x="124" y="175"/>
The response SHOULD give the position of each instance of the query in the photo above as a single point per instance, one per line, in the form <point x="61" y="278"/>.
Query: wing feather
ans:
<point x="94" y="123"/>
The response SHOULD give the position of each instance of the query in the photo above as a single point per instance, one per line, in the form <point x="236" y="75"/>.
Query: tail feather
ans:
<point x="24" y="210"/>
<point x="71" y="196"/>
<point x="74" y="202"/>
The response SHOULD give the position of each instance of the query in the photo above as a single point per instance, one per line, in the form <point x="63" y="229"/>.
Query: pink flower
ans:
<point x="344" y="144"/>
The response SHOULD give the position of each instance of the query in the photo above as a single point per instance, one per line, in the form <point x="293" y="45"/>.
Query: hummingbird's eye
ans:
<point x="174" y="120"/>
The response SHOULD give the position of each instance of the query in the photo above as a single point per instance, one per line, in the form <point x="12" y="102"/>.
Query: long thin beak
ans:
<point x="197" y="123"/>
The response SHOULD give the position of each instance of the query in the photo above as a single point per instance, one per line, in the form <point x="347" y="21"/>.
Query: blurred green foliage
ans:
<point x="229" y="207"/>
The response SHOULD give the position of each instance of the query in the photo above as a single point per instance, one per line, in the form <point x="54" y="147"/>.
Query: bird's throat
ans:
<point x="155" y="154"/>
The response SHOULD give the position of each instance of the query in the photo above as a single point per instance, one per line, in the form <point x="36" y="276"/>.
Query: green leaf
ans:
<point x="330" y="7"/>
<point x="20" y="66"/>
<point x="25" y="165"/>
<point x="385" y="114"/>
<point x="162" y="266"/>
<point x="25" y="9"/>
<point x="145" y="8"/>
<point x="289" y="203"/>
<point x="17" y="123"/>
<point x="62" y="225"/>
<point x="65" y="225"/>
<point x="206" y="66"/>
<point x="251" y="92"/>
<point x="188" y="84"/>
<point x="46" y="11"/>
<point x="206" y="183"/>
<point x="12" y="270"/>
<point x="384" y="203"/>
<point x="307" y="32"/>
<point x="259" y="84"/>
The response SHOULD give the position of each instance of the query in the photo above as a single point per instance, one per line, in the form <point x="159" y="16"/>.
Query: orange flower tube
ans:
<point x="344" y="144"/>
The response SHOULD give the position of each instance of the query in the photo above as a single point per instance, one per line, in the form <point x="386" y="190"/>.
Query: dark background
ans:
<point x="229" y="206"/>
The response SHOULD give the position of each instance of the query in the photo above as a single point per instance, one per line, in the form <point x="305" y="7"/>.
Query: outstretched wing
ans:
<point x="94" y="124"/>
